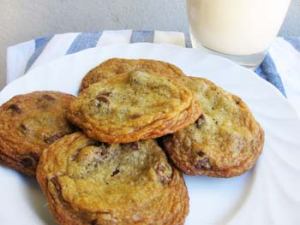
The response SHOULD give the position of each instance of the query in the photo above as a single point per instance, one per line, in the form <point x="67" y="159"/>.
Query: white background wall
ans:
<point x="22" y="20"/>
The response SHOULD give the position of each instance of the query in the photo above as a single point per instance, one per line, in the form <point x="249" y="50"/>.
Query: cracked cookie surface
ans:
<point x="116" y="66"/>
<point x="224" y="141"/>
<point x="134" y="106"/>
<point x="89" y="182"/>
<point x="28" y="124"/>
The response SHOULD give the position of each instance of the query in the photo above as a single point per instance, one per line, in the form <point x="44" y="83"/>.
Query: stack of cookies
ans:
<point x="115" y="154"/>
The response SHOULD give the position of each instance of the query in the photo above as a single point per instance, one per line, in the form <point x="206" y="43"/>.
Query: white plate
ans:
<point x="269" y="194"/>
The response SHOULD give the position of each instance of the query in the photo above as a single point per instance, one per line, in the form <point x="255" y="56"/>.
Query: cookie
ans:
<point x="225" y="140"/>
<point x="117" y="66"/>
<point x="28" y="124"/>
<point x="92" y="183"/>
<point x="134" y="106"/>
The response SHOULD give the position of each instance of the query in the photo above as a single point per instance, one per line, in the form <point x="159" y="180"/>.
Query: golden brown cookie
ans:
<point x="134" y="106"/>
<point x="92" y="183"/>
<point x="28" y="124"/>
<point x="117" y="66"/>
<point x="225" y="141"/>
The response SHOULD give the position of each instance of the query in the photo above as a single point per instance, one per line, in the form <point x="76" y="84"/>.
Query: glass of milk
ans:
<point x="240" y="30"/>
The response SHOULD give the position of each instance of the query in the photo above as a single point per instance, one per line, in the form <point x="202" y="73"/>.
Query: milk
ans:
<point x="236" y="27"/>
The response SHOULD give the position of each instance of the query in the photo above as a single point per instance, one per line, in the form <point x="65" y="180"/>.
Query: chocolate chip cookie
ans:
<point x="117" y="66"/>
<point x="28" y="124"/>
<point x="89" y="182"/>
<point x="225" y="140"/>
<point x="134" y="106"/>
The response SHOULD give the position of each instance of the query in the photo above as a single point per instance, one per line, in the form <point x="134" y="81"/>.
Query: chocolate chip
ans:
<point x="134" y="146"/>
<point x="161" y="171"/>
<point x="200" y="121"/>
<point x="103" y="98"/>
<point x="23" y="128"/>
<point x="200" y="153"/>
<point x="203" y="163"/>
<point x="115" y="172"/>
<point x="134" y="116"/>
<point x="237" y="101"/>
<point x="15" y="108"/>
<point x="48" y="97"/>
<point x="30" y="160"/>
<point x="94" y="222"/>
<point x="52" y="138"/>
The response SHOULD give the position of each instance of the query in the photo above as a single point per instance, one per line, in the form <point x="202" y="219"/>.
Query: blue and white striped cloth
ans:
<point x="281" y="67"/>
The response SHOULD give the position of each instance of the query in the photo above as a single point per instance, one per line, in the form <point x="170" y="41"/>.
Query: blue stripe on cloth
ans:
<point x="40" y="44"/>
<point x="142" y="36"/>
<point x="294" y="41"/>
<point x="84" y="41"/>
<point x="188" y="42"/>
<point x="267" y="70"/>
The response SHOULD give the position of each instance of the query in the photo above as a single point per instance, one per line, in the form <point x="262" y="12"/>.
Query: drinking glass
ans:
<point x="241" y="30"/>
